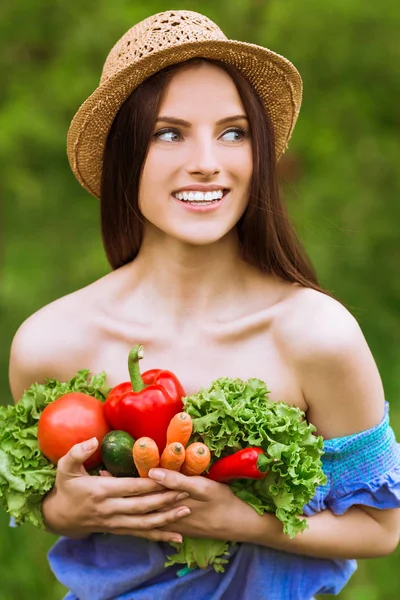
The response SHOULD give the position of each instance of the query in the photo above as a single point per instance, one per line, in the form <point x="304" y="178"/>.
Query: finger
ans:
<point x="120" y="487"/>
<point x="158" y="535"/>
<point x="197" y="486"/>
<point x="105" y="474"/>
<point x="144" y="522"/>
<point x="189" y="502"/>
<point x="72" y="462"/>
<point x="144" y="504"/>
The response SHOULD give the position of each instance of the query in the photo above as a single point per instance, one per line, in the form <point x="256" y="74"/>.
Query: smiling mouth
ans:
<point x="201" y="198"/>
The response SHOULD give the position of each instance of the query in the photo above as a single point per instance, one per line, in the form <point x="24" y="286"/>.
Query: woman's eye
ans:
<point x="235" y="134"/>
<point x="168" y="135"/>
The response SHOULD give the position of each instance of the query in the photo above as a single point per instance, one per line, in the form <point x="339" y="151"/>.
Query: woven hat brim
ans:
<point x="274" y="78"/>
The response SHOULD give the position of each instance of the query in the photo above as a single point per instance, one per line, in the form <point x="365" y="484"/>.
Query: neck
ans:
<point x="189" y="284"/>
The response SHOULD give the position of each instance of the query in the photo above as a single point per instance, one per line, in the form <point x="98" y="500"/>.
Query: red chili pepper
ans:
<point x="249" y="463"/>
<point x="144" y="406"/>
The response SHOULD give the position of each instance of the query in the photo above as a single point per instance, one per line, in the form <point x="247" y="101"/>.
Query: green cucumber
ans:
<point x="116" y="452"/>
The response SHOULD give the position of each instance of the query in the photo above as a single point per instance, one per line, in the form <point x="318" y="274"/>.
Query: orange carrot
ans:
<point x="180" y="428"/>
<point x="145" y="455"/>
<point x="197" y="459"/>
<point x="173" y="456"/>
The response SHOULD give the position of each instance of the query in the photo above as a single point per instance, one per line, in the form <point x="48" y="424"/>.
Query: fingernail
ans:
<point x="182" y="496"/>
<point x="157" y="474"/>
<point x="184" y="512"/>
<point x="177" y="538"/>
<point x="89" y="444"/>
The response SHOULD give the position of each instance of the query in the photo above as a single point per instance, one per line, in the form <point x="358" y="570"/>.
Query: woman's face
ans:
<point x="200" y="150"/>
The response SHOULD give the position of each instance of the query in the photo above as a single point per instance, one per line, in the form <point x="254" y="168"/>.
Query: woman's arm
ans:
<point x="344" y="393"/>
<point x="216" y="512"/>
<point x="343" y="390"/>
<point x="356" y="534"/>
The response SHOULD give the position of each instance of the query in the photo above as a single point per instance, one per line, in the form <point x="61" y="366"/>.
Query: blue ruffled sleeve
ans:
<point x="363" y="468"/>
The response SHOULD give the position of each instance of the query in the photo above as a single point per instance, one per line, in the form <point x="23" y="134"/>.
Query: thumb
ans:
<point x="72" y="462"/>
<point x="198" y="487"/>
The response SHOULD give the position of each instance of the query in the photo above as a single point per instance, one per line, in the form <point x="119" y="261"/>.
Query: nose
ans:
<point x="203" y="159"/>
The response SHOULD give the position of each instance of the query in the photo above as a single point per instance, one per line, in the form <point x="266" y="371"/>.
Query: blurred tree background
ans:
<point x="340" y="179"/>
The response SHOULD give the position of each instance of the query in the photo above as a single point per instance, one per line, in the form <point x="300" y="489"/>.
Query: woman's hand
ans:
<point x="215" y="510"/>
<point x="80" y="504"/>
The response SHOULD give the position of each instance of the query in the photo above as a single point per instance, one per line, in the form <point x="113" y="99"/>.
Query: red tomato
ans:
<point x="71" y="419"/>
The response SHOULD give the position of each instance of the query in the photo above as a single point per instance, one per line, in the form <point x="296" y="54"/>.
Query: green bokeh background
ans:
<point x="341" y="183"/>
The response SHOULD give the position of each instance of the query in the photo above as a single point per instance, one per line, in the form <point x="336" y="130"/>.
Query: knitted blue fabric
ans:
<point x="362" y="469"/>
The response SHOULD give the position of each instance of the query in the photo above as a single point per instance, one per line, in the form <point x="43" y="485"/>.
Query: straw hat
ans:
<point x="165" y="39"/>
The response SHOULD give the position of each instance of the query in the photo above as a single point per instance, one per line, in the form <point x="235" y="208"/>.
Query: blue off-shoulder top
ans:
<point x="363" y="468"/>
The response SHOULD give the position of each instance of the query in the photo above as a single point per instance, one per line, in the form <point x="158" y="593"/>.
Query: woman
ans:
<point x="180" y="142"/>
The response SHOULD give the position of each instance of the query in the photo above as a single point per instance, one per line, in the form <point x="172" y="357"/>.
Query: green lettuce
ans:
<point x="200" y="552"/>
<point x="234" y="414"/>
<point x="25" y="474"/>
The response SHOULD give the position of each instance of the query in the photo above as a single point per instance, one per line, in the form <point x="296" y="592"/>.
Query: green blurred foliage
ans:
<point x="341" y="183"/>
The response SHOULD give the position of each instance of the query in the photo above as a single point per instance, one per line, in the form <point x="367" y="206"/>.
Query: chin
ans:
<point x="199" y="237"/>
<point x="193" y="234"/>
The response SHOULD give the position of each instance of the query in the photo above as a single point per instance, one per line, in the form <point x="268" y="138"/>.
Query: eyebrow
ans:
<point x="184" y="123"/>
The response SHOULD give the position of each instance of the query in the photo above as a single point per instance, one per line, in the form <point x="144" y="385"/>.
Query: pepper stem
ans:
<point x="135" y="355"/>
<point x="263" y="463"/>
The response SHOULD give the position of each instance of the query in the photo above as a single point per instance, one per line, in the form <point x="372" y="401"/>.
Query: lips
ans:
<point x="198" y="187"/>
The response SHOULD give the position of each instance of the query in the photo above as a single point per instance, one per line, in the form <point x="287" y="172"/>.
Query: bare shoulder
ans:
<point x="315" y="323"/>
<point x="53" y="342"/>
<point x="335" y="367"/>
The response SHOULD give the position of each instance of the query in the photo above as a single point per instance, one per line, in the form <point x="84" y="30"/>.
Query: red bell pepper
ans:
<point x="145" y="405"/>
<point x="166" y="379"/>
<point x="249" y="463"/>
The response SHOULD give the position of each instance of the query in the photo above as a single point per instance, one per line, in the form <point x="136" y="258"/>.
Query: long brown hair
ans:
<point x="267" y="237"/>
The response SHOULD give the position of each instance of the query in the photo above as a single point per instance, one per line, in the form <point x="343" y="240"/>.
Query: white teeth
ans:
<point x="199" y="196"/>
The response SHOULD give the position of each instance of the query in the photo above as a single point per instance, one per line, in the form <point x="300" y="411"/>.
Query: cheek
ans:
<point x="159" y="172"/>
<point x="241" y="166"/>
<point x="242" y="171"/>
<point x="152" y="181"/>
<point x="150" y="172"/>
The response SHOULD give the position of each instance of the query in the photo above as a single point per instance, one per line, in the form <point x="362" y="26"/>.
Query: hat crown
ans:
<point x="161" y="31"/>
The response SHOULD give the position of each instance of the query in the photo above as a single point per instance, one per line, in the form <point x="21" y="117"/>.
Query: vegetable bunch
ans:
<point x="233" y="415"/>
<point x="232" y="432"/>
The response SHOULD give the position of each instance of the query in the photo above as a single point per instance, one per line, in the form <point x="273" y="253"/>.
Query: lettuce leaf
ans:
<point x="199" y="552"/>
<point x="234" y="414"/>
<point x="25" y="474"/>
